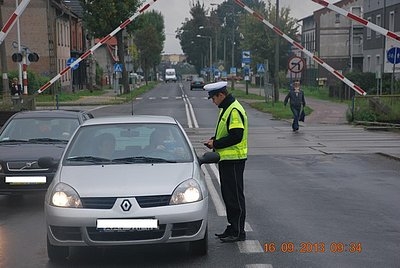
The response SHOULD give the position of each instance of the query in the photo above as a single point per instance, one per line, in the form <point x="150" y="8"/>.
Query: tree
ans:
<point x="149" y="38"/>
<point x="103" y="16"/>
<point x="260" y="39"/>
<point x="194" y="48"/>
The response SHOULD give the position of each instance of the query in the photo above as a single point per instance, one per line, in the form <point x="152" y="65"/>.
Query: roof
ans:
<point x="131" y="119"/>
<point x="48" y="114"/>
<point x="75" y="7"/>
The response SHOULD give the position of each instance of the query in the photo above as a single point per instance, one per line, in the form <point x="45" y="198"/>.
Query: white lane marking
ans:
<point x="259" y="265"/>
<point x="196" y="125"/>
<point x="219" y="205"/>
<point x="164" y="98"/>
<point x="188" y="117"/>
<point x="250" y="246"/>
<point x="216" y="172"/>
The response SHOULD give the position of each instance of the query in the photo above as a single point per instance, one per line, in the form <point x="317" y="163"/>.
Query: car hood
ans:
<point x="28" y="151"/>
<point x="126" y="180"/>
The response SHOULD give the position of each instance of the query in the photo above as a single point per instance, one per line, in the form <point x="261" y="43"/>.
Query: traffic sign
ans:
<point x="118" y="68"/>
<point x="246" y="58"/>
<point x="260" y="68"/>
<point x="296" y="64"/>
<point x="70" y="61"/>
<point x="393" y="55"/>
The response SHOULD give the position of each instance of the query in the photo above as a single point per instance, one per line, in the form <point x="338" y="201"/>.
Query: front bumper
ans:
<point x="77" y="227"/>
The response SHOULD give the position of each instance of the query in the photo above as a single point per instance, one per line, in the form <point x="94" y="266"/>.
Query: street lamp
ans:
<point x="209" y="37"/>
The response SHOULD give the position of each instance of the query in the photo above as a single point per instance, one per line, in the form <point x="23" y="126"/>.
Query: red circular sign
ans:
<point x="296" y="64"/>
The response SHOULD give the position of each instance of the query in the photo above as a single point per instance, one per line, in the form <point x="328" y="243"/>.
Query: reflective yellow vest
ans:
<point x="236" y="120"/>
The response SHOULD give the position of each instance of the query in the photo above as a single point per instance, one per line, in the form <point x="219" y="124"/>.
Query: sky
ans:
<point x="175" y="12"/>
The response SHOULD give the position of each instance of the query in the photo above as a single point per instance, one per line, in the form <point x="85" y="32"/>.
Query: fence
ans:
<point x="383" y="109"/>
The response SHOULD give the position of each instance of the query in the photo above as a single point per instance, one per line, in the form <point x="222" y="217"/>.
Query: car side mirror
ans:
<point x="208" y="158"/>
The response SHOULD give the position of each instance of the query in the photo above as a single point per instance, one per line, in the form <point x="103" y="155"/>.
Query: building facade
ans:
<point x="55" y="32"/>
<point x="385" y="14"/>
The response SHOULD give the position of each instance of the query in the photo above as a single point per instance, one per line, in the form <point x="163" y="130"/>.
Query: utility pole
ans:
<point x="276" y="80"/>
<point x="3" y="55"/>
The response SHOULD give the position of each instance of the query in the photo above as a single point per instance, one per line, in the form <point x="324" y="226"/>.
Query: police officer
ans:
<point x="230" y="141"/>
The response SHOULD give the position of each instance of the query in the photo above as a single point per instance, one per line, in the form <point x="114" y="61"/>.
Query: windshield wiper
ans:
<point x="89" y="158"/>
<point x="13" y="141"/>
<point x="142" y="159"/>
<point x="47" y="140"/>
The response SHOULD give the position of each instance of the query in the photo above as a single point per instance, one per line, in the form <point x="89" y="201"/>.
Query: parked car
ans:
<point x="24" y="138"/>
<point x="197" y="82"/>
<point x="127" y="180"/>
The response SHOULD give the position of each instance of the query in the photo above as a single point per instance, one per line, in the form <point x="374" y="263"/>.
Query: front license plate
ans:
<point x="126" y="225"/>
<point x="22" y="180"/>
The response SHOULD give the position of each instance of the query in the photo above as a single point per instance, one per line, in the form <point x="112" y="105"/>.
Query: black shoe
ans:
<point x="231" y="238"/>
<point x="225" y="234"/>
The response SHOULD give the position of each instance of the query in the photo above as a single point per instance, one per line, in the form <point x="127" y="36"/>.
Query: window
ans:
<point x="337" y="18"/>
<point x="391" y="21"/>
<point x="368" y="63"/>
<point x="379" y="23"/>
<point x="369" y="31"/>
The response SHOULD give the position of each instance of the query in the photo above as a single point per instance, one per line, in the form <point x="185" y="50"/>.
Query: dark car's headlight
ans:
<point x="188" y="191"/>
<point x="65" y="196"/>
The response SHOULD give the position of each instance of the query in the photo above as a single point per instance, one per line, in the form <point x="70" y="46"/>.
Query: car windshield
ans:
<point x="128" y="144"/>
<point x="39" y="129"/>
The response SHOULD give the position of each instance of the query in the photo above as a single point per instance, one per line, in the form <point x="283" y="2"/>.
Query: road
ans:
<point x="327" y="196"/>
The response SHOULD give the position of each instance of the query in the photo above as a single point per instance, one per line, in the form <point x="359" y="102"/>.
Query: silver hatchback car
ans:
<point x="127" y="180"/>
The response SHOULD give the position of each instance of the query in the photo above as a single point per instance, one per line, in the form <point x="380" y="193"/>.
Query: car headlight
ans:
<point x="65" y="196"/>
<point x="187" y="192"/>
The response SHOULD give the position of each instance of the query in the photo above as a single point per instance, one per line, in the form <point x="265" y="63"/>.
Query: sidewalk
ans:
<point x="324" y="112"/>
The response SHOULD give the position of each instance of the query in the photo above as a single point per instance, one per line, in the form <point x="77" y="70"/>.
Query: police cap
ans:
<point x="215" y="88"/>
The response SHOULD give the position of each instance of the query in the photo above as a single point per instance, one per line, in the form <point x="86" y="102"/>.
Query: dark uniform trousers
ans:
<point x="231" y="177"/>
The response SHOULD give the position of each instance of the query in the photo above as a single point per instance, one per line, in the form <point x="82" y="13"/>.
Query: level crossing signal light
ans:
<point x="32" y="57"/>
<point x="16" y="57"/>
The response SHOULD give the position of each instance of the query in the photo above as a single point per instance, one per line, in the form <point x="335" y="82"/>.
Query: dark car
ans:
<point x="28" y="135"/>
<point x="197" y="82"/>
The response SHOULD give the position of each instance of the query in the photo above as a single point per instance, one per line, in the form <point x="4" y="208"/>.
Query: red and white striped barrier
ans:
<point x="92" y="49"/>
<point x="356" y="88"/>
<point x="13" y="18"/>
<point x="364" y="22"/>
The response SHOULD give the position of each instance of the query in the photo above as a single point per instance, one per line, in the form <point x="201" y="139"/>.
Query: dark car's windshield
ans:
<point x="128" y="144"/>
<point x="39" y="129"/>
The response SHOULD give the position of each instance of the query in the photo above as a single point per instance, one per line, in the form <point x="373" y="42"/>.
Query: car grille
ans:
<point x="153" y="201"/>
<point x="66" y="233"/>
<point x="98" y="202"/>
<point x="24" y="166"/>
<point x="108" y="202"/>
<point x="96" y="235"/>
<point x="185" y="228"/>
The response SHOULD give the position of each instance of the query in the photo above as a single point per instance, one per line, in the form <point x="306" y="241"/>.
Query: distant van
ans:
<point x="170" y="75"/>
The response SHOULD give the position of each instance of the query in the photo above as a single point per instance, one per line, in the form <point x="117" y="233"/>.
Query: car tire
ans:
<point x="191" y="88"/>
<point x="200" y="247"/>
<point x="57" y="253"/>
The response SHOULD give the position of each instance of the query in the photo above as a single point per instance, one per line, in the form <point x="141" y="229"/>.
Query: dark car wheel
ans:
<point x="200" y="247"/>
<point x="57" y="253"/>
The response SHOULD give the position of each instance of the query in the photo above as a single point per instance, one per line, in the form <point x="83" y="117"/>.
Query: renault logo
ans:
<point x="126" y="205"/>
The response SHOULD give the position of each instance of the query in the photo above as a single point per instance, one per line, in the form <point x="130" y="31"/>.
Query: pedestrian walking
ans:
<point x="16" y="91"/>
<point x="230" y="141"/>
<point x="297" y="100"/>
